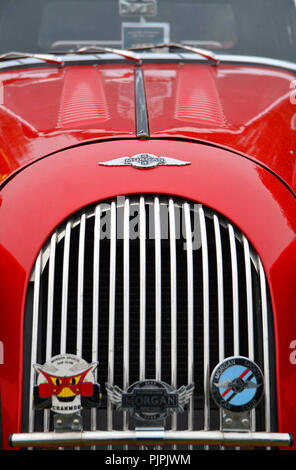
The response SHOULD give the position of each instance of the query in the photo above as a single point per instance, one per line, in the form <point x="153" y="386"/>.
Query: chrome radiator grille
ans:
<point x="151" y="287"/>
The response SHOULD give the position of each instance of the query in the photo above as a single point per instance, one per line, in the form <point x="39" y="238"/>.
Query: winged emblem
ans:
<point x="115" y="394"/>
<point x="150" y="399"/>
<point x="184" y="393"/>
<point x="145" y="160"/>
<point x="237" y="384"/>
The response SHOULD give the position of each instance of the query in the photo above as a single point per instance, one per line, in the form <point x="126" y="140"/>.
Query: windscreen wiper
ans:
<point x="171" y="45"/>
<point x="23" y="55"/>
<point x="99" y="50"/>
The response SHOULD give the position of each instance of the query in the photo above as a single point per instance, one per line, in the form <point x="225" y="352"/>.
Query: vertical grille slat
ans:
<point x="265" y="334"/>
<point x="95" y="299"/>
<point x="96" y="284"/>
<point x="50" y="310"/>
<point x="220" y="298"/>
<point x="142" y="352"/>
<point x="173" y="301"/>
<point x="66" y="262"/>
<point x="158" y="317"/>
<point x="36" y="304"/>
<point x="206" y="322"/>
<point x="80" y="288"/>
<point x="50" y="301"/>
<point x="235" y="293"/>
<point x="251" y="346"/>
<point x="190" y="308"/>
<point x="126" y="305"/>
<point x="112" y="286"/>
<point x="220" y="286"/>
<point x="150" y="287"/>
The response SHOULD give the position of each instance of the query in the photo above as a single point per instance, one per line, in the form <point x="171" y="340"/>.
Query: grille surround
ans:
<point x="245" y="306"/>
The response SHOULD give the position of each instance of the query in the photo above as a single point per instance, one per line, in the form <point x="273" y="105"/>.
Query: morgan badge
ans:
<point x="145" y="161"/>
<point x="150" y="400"/>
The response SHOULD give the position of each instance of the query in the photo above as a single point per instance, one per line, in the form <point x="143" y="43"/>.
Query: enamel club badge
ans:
<point x="66" y="384"/>
<point x="237" y="384"/>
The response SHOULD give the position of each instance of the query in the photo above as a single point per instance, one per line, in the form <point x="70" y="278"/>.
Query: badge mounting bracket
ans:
<point x="67" y="422"/>
<point x="234" y="421"/>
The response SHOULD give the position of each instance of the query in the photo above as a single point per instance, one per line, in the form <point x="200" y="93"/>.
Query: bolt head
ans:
<point x="245" y="422"/>
<point x="228" y="421"/>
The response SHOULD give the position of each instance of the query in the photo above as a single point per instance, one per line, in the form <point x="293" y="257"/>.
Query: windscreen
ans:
<point x="265" y="28"/>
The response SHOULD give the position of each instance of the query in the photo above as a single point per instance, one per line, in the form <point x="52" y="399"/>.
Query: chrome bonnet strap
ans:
<point x="142" y="125"/>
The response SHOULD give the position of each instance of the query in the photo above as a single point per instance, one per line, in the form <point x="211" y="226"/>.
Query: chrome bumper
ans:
<point x="150" y="437"/>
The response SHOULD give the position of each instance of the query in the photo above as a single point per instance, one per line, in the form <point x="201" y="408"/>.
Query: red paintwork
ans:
<point x="244" y="108"/>
<point x="39" y="197"/>
<point x="48" y="109"/>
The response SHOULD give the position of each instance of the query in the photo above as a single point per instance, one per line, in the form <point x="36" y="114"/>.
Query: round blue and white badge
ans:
<point x="237" y="384"/>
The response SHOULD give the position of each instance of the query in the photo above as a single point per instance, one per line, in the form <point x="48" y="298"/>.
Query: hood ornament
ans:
<point x="145" y="160"/>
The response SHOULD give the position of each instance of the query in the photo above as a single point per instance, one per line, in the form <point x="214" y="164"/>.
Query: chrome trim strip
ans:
<point x="67" y="241"/>
<point x="148" y="57"/>
<point x="142" y="352"/>
<point x="111" y="309"/>
<point x="205" y="53"/>
<point x="157" y="234"/>
<point x="235" y="292"/>
<point x="256" y="60"/>
<point x="190" y="311"/>
<point x="153" y="436"/>
<point x="142" y="124"/>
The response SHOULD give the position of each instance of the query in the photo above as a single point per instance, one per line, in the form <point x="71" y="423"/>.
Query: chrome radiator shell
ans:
<point x="169" y="303"/>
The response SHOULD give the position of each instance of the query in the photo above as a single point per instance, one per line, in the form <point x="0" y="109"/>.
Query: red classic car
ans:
<point x="148" y="224"/>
